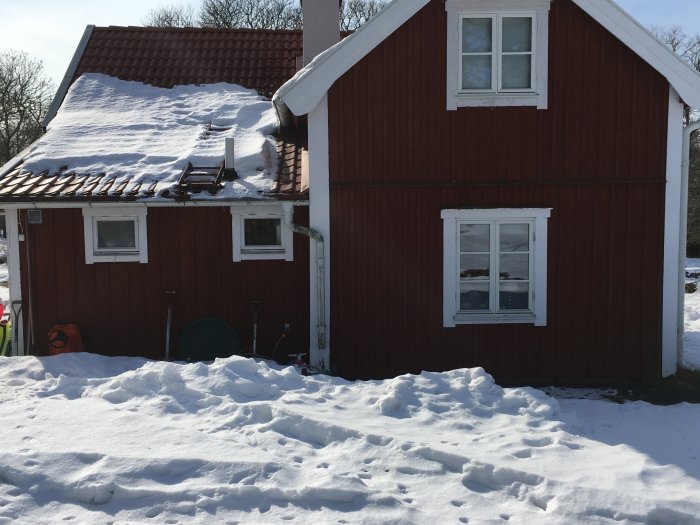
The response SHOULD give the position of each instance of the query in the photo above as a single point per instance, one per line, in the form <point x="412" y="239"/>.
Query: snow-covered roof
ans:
<point x="135" y="139"/>
<point x="304" y="91"/>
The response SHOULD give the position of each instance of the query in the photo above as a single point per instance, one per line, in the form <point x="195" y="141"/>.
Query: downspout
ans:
<point x="685" y="170"/>
<point x="320" y="274"/>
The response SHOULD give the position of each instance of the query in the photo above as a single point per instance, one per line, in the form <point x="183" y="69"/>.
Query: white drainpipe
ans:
<point x="685" y="169"/>
<point x="320" y="274"/>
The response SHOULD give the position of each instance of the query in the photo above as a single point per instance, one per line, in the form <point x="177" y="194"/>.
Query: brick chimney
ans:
<point x="321" y="26"/>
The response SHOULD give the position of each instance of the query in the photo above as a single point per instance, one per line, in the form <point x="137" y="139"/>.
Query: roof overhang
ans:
<point x="305" y="90"/>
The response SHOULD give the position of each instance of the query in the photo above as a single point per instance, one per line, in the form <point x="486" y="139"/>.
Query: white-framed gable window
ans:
<point x="495" y="266"/>
<point x="115" y="235"/>
<point x="261" y="232"/>
<point x="497" y="53"/>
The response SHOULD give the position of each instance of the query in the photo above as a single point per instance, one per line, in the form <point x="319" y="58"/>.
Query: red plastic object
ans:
<point x="64" y="338"/>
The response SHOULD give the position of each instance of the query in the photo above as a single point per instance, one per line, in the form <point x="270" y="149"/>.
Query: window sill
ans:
<point x="460" y="100"/>
<point x="495" y="319"/>
<point x="111" y="258"/>
<point x="261" y="255"/>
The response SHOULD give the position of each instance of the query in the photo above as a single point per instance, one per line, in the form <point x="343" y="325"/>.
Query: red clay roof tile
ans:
<point x="254" y="58"/>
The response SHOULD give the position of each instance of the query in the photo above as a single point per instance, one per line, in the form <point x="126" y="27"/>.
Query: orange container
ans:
<point x="65" y="338"/>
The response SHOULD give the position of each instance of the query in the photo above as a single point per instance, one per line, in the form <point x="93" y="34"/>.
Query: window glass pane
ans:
<point x="514" y="296"/>
<point x="113" y="235"/>
<point x="474" y="238"/>
<point x="517" y="34"/>
<point x="476" y="71"/>
<point x="262" y="232"/>
<point x="474" y="296"/>
<point x="514" y="237"/>
<point x="477" y="35"/>
<point x="515" y="267"/>
<point x="517" y="72"/>
<point x="474" y="267"/>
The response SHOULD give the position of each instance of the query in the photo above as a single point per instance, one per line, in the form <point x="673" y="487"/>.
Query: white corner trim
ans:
<point x="680" y="75"/>
<point x="13" y="266"/>
<point x="239" y="214"/>
<point x="671" y="339"/>
<point x="319" y="220"/>
<point x="136" y="213"/>
<point x="303" y="92"/>
<point x="450" y="261"/>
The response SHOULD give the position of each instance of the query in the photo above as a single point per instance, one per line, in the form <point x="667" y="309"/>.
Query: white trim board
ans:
<point x="319" y="220"/>
<point x="671" y="340"/>
<point x="304" y="91"/>
<point x="13" y="266"/>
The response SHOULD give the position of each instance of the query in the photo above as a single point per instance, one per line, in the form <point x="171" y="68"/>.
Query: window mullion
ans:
<point x="531" y="284"/>
<point x="496" y="48"/>
<point x="533" y="58"/>
<point x="494" y="268"/>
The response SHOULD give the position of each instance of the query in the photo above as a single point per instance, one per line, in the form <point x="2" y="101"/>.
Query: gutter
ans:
<point x="685" y="169"/>
<point x="320" y="274"/>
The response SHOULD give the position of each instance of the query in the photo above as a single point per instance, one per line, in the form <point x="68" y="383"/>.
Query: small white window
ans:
<point x="115" y="235"/>
<point x="497" y="53"/>
<point x="261" y="232"/>
<point x="495" y="266"/>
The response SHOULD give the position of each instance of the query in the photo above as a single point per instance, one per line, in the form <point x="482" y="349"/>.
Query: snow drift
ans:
<point x="91" y="439"/>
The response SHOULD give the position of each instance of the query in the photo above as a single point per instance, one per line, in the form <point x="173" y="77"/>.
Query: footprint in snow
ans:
<point x="538" y="442"/>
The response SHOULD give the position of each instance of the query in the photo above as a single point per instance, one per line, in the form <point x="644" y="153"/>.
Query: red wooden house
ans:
<point x="492" y="183"/>
<point x="183" y="239"/>
<point x="499" y="184"/>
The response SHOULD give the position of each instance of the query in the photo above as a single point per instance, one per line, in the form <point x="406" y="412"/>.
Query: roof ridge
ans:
<point x="199" y="29"/>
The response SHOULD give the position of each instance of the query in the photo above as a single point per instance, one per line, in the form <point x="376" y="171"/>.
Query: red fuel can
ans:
<point x="65" y="338"/>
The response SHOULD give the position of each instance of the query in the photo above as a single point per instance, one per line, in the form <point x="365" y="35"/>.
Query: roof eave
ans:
<point x="684" y="79"/>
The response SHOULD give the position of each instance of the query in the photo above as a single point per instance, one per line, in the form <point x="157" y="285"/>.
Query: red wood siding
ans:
<point x="121" y="307"/>
<point x="596" y="156"/>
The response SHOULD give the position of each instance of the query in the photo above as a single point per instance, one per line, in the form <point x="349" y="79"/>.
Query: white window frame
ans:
<point x="91" y="216"/>
<point x="457" y="10"/>
<point x="452" y="218"/>
<point x="285" y="251"/>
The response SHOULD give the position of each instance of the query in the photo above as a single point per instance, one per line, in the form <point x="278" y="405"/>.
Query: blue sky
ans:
<point x="51" y="29"/>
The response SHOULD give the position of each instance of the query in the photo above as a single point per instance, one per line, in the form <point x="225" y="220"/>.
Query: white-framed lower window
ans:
<point x="115" y="235"/>
<point x="497" y="53"/>
<point x="261" y="232"/>
<point x="495" y="266"/>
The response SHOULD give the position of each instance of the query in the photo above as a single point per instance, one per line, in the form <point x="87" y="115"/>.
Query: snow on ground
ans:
<point x="107" y="125"/>
<point x="91" y="439"/>
<point x="691" y="336"/>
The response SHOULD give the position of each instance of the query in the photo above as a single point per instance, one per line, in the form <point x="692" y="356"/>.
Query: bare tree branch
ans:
<point x="257" y="14"/>
<point x="25" y="95"/>
<point x="356" y="12"/>
<point x="171" y="16"/>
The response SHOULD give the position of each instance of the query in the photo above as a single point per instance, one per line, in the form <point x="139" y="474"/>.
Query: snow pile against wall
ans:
<point x="145" y="133"/>
<point x="92" y="439"/>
